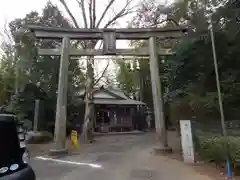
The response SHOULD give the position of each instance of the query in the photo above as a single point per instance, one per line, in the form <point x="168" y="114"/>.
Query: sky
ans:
<point x="11" y="9"/>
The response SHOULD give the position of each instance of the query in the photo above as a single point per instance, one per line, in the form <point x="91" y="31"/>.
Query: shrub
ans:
<point x="213" y="149"/>
<point x="217" y="148"/>
<point x="39" y="138"/>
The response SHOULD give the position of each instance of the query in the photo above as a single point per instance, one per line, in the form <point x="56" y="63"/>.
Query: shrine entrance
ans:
<point x="102" y="120"/>
<point x="109" y="37"/>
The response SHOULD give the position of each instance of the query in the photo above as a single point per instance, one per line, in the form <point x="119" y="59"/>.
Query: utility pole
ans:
<point x="224" y="132"/>
<point x="60" y="122"/>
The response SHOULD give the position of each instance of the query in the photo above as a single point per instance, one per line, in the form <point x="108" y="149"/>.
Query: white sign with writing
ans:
<point x="187" y="141"/>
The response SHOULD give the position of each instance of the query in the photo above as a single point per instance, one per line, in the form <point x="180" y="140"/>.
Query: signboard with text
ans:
<point x="187" y="141"/>
<point x="74" y="138"/>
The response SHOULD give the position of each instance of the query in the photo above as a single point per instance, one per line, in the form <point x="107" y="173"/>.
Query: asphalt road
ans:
<point x="125" y="157"/>
<point x="97" y="161"/>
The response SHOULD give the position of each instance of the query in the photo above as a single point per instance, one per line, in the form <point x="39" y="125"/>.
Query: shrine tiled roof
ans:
<point x="112" y="96"/>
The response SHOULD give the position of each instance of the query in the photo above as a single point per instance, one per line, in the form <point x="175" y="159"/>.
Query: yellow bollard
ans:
<point x="74" y="139"/>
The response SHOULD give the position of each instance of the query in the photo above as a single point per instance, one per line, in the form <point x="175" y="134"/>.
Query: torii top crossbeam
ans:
<point x="88" y="34"/>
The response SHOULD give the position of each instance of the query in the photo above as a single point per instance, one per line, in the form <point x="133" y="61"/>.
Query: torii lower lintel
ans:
<point x="100" y="52"/>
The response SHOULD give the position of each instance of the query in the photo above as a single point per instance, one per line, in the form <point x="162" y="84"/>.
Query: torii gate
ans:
<point x="109" y="37"/>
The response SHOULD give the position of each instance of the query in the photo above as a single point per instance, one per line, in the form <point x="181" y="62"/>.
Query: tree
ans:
<point x="193" y="72"/>
<point x="89" y="16"/>
<point x="42" y="69"/>
<point x="126" y="77"/>
<point x="189" y="74"/>
<point x="7" y="73"/>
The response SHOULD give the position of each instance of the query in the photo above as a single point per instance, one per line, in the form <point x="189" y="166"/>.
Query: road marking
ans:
<point x="70" y="162"/>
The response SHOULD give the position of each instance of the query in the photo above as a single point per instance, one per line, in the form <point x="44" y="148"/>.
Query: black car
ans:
<point x="13" y="153"/>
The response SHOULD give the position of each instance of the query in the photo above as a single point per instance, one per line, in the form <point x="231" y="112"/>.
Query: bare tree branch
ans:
<point x="69" y="13"/>
<point x="5" y="35"/>
<point x="166" y="20"/>
<point x="104" y="71"/>
<point x="104" y="12"/>
<point x="106" y="82"/>
<point x="123" y="12"/>
<point x="94" y="13"/>
<point x="119" y="15"/>
<point x="90" y="13"/>
<point x="82" y="7"/>
<point x="100" y="44"/>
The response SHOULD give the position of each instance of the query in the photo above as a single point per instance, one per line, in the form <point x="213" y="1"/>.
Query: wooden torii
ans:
<point x="109" y="37"/>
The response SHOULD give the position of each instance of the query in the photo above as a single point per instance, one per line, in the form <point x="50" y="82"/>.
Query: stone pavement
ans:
<point x="125" y="157"/>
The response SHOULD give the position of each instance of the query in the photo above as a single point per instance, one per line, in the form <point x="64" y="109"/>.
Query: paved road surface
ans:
<point x="125" y="157"/>
<point x="108" y="151"/>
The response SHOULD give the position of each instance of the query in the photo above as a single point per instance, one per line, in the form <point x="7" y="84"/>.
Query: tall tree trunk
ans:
<point x="87" y="130"/>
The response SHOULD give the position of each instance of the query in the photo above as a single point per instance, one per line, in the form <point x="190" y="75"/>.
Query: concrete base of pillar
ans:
<point x="58" y="152"/>
<point x="162" y="150"/>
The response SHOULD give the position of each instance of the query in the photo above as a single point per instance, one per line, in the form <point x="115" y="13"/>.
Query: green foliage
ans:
<point x="214" y="148"/>
<point x="42" y="137"/>
<point x="189" y="74"/>
<point x="15" y="106"/>
<point x="193" y="73"/>
<point x="7" y="75"/>
<point x="35" y="69"/>
<point x="217" y="148"/>
<point x="127" y="77"/>
<point x="43" y="69"/>
<point x="24" y="103"/>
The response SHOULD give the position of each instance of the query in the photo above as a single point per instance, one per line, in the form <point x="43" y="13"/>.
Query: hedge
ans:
<point x="217" y="148"/>
<point x="42" y="137"/>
